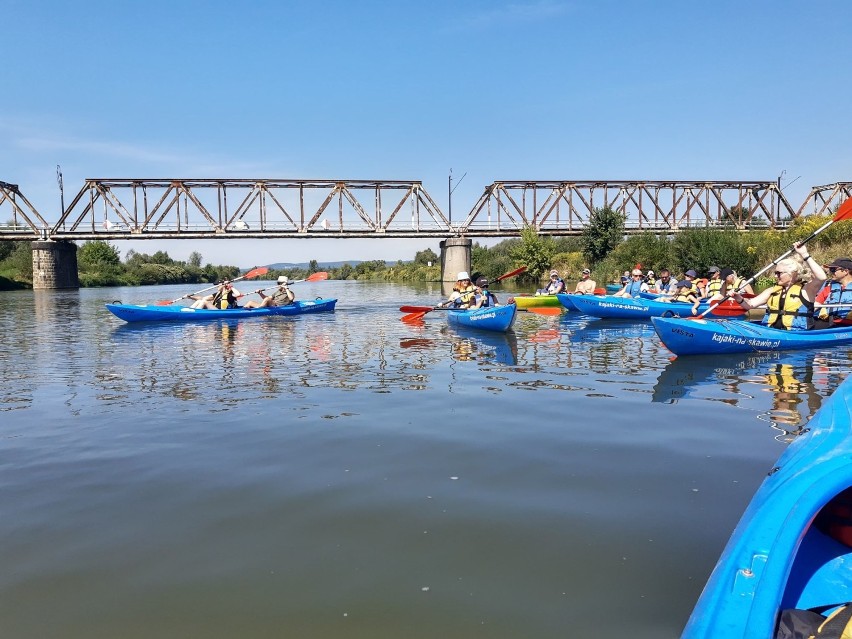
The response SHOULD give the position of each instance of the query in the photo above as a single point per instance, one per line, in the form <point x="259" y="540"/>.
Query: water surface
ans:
<point x="349" y="475"/>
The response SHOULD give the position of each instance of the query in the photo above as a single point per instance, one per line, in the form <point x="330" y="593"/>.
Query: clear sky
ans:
<point x="369" y="89"/>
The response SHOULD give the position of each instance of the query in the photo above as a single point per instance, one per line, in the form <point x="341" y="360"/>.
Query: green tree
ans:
<point x="535" y="252"/>
<point x="602" y="234"/>
<point x="426" y="256"/>
<point x="313" y="267"/>
<point x="98" y="252"/>
<point x="195" y="259"/>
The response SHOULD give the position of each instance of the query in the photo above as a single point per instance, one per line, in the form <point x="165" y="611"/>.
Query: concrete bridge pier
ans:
<point x="455" y="257"/>
<point x="55" y="265"/>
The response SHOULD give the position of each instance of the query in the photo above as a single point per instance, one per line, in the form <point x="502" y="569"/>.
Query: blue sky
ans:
<point x="538" y="89"/>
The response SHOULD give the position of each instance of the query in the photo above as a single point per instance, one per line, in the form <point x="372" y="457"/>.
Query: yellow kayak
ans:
<point x="534" y="301"/>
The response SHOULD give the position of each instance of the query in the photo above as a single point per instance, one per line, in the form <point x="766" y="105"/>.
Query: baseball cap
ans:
<point x="842" y="262"/>
<point x="482" y="281"/>
<point x="725" y="272"/>
<point x="691" y="273"/>
<point x="713" y="269"/>
<point x="686" y="283"/>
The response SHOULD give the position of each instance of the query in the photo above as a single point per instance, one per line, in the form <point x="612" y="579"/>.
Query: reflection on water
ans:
<point x="796" y="383"/>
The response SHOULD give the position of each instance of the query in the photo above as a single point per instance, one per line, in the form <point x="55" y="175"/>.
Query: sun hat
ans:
<point x="463" y="275"/>
<point x="841" y="262"/>
<point x="282" y="279"/>
<point x="691" y="273"/>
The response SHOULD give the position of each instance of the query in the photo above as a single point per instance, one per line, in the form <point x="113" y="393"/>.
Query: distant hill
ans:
<point x="283" y="266"/>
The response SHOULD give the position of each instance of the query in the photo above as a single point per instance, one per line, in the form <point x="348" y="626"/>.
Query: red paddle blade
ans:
<point x="164" y="303"/>
<point x="545" y="310"/>
<point x="728" y="308"/>
<point x="255" y="272"/>
<point x="414" y="317"/>
<point x="599" y="291"/>
<point x="317" y="277"/>
<point x="517" y="271"/>
<point x="845" y="211"/>
<point x="415" y="309"/>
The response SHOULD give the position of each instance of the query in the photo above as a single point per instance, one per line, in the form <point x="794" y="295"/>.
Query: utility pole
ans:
<point x="61" y="189"/>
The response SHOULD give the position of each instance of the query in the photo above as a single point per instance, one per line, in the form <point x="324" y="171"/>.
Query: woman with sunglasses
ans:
<point x="789" y="304"/>
<point x="833" y="305"/>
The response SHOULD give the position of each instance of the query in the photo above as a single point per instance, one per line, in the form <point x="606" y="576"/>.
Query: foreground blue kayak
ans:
<point x="711" y="336"/>
<point x="492" y="318"/>
<point x="144" y="313"/>
<point x="611" y="307"/>
<point x="786" y="552"/>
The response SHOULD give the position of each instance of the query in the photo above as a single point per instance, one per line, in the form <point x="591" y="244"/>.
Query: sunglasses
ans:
<point x="833" y="269"/>
<point x="635" y="276"/>
<point x="779" y="273"/>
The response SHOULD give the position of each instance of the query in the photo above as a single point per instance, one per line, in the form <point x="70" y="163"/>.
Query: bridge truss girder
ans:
<point x="565" y="207"/>
<point x="125" y="209"/>
<point x="26" y="221"/>
<point x="206" y="208"/>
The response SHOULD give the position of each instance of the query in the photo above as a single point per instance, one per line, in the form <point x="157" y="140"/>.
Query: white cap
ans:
<point x="282" y="279"/>
<point x="463" y="276"/>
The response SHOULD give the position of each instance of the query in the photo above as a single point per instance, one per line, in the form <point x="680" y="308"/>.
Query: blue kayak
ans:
<point x="149" y="313"/>
<point x="611" y="307"/>
<point x="786" y="550"/>
<point x="713" y="336"/>
<point x="492" y="318"/>
<point x="567" y="299"/>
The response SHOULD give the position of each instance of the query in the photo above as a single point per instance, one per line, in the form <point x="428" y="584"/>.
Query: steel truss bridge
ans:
<point x="132" y="209"/>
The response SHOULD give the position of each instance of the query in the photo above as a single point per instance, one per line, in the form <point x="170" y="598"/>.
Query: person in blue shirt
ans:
<point x="635" y="286"/>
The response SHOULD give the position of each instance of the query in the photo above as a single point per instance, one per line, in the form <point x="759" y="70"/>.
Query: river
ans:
<point x="352" y="476"/>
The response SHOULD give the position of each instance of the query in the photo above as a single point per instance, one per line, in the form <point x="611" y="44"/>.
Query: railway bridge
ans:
<point x="221" y="208"/>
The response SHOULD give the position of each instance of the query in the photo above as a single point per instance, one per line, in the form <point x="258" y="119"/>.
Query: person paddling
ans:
<point x="483" y="297"/>
<point x="789" y="304"/>
<point x="282" y="296"/>
<point x="463" y="292"/>
<point x="833" y="305"/>
<point x="224" y="298"/>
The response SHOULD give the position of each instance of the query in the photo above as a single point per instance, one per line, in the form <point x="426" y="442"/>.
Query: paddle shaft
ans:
<point x="315" y="277"/>
<point x="840" y="215"/>
<point x="252" y="273"/>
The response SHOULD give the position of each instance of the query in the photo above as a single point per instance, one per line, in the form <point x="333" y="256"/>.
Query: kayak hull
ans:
<point x="713" y="336"/>
<point x="534" y="301"/>
<point x="150" y="313"/>
<point x="777" y="557"/>
<point x="492" y="318"/>
<point x="567" y="299"/>
<point x="611" y="307"/>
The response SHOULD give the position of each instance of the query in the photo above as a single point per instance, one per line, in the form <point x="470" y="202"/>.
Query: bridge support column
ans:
<point x="455" y="257"/>
<point x="55" y="265"/>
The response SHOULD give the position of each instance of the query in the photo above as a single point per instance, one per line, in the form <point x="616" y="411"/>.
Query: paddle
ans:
<point x="314" y="277"/>
<point x="255" y="272"/>
<point x="844" y="212"/>
<point x="506" y="276"/>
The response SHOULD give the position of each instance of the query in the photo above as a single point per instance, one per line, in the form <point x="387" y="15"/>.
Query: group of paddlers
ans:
<point x="226" y="297"/>
<point x="792" y="303"/>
